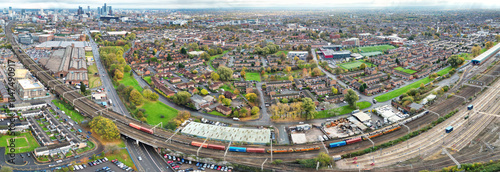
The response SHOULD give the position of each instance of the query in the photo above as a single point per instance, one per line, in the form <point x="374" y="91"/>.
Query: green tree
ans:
<point x="183" y="50"/>
<point x="316" y="72"/>
<point x="251" y="97"/>
<point x="83" y="88"/>
<point x="226" y="101"/>
<point x="362" y="66"/>
<point x="309" y="107"/>
<point x="204" y="92"/>
<point x="284" y="100"/>
<point x="351" y="97"/>
<point x="255" y="110"/>
<point x="497" y="37"/>
<point x="104" y="127"/>
<point x="334" y="90"/>
<point x="118" y="74"/>
<point x="455" y="61"/>
<point x="323" y="159"/>
<point x="225" y="73"/>
<point x="127" y="69"/>
<point x="136" y="97"/>
<point x="181" y="98"/>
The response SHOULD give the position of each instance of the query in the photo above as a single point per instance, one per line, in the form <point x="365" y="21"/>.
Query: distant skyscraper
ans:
<point x="110" y="11"/>
<point x="88" y="9"/>
<point x="5" y="10"/>
<point x="99" y="10"/>
<point x="104" y="10"/>
<point x="23" y="11"/>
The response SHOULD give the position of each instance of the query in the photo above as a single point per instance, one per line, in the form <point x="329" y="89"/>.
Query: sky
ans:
<point x="196" y="4"/>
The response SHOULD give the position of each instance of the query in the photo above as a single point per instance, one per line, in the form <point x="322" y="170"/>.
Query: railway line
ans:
<point x="180" y="142"/>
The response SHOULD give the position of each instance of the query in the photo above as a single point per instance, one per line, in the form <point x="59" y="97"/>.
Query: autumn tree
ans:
<point x="309" y="107"/>
<point x="104" y="127"/>
<point x="255" y="110"/>
<point x="334" y="90"/>
<point x="236" y="91"/>
<point x="226" y="101"/>
<point x="215" y="76"/>
<point x="225" y="73"/>
<point x="204" y="92"/>
<point x="243" y="74"/>
<point x="455" y="61"/>
<point x="288" y="69"/>
<point x="136" y="97"/>
<point x="118" y="74"/>
<point x="323" y="159"/>
<point x="252" y="97"/>
<point x="476" y="50"/>
<point x="316" y="72"/>
<point x="290" y="78"/>
<point x="362" y="66"/>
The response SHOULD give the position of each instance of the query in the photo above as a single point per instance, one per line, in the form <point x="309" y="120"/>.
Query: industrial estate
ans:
<point x="257" y="89"/>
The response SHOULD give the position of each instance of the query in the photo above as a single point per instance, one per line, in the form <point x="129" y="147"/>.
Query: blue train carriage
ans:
<point x="337" y="144"/>
<point x="237" y="149"/>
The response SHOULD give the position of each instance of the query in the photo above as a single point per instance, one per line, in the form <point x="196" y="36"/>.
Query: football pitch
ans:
<point x="355" y="64"/>
<point x="380" y="48"/>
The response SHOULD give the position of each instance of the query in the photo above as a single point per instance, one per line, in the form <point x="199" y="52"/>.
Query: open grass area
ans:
<point x="355" y="64"/>
<point x="89" y="54"/>
<point x="466" y="56"/>
<point x="226" y="88"/>
<point x="281" y="52"/>
<point x="217" y="113"/>
<point x="130" y="80"/>
<point x="23" y="142"/>
<point x="408" y="71"/>
<point x="66" y="108"/>
<point x="252" y="76"/>
<point x="148" y="79"/>
<point x="376" y="48"/>
<point x="214" y="57"/>
<point x="94" y="80"/>
<point x="343" y="110"/>
<point x="398" y="92"/>
<point x="122" y="154"/>
<point x="156" y="109"/>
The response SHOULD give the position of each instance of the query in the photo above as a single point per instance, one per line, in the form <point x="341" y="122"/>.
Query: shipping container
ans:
<point x="256" y="150"/>
<point x="237" y="149"/>
<point x="337" y="157"/>
<point x="337" y="144"/>
<point x="198" y="144"/>
<point x="351" y="141"/>
<point x="217" y="147"/>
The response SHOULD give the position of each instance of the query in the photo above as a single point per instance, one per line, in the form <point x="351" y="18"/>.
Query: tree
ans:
<point x="104" y="127"/>
<point x="476" y="50"/>
<point x="118" y="74"/>
<point x="236" y="91"/>
<point x="334" y="90"/>
<point x="290" y="78"/>
<point x="225" y="73"/>
<point x="497" y="37"/>
<point x="323" y="159"/>
<point x="243" y="112"/>
<point x="136" y="97"/>
<point x="6" y="169"/>
<point x="255" y="110"/>
<point x="488" y="44"/>
<point x="226" y="101"/>
<point x="251" y="97"/>
<point x="204" y="92"/>
<point x="455" y="61"/>
<point x="127" y="69"/>
<point x="351" y="97"/>
<point x="83" y="88"/>
<point x="288" y="69"/>
<point x="242" y="73"/>
<point x="422" y="86"/>
<point x="183" y="50"/>
<point x="309" y="107"/>
<point x="362" y="66"/>
<point x="284" y="100"/>
<point x="215" y="76"/>
<point x="181" y="98"/>
<point x="316" y="72"/>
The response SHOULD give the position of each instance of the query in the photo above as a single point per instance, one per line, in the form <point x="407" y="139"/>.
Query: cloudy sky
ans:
<point x="175" y="4"/>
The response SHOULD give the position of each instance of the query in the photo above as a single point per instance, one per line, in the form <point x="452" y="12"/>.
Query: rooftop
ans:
<point x="256" y="136"/>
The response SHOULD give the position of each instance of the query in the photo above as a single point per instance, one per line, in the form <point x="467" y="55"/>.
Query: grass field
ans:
<point x="122" y="154"/>
<point x="408" y="71"/>
<point x="281" y="52"/>
<point x="148" y="79"/>
<point x="355" y="64"/>
<point x="343" y="110"/>
<point x="24" y="142"/>
<point x="71" y="113"/>
<point x="398" y="92"/>
<point x="130" y="80"/>
<point x="376" y="48"/>
<point x="217" y="113"/>
<point x="214" y="57"/>
<point x="373" y="53"/>
<point x="252" y="76"/>
<point x="89" y="54"/>
<point x="466" y="56"/>
<point x="226" y="88"/>
<point x="94" y="80"/>
<point x="154" y="110"/>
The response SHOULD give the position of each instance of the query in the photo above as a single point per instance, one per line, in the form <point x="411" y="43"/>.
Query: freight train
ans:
<point x="252" y="150"/>
<point x="147" y="130"/>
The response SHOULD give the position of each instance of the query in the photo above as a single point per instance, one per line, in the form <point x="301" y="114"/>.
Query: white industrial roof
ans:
<point x="29" y="84"/>
<point x="299" y="138"/>
<point x="256" y="136"/>
<point x="363" y="117"/>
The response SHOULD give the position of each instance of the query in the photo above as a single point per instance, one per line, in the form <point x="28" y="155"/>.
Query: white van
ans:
<point x="236" y="119"/>
<point x="59" y="161"/>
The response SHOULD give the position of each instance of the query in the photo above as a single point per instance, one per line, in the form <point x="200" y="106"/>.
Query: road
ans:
<point x="118" y="105"/>
<point x="151" y="161"/>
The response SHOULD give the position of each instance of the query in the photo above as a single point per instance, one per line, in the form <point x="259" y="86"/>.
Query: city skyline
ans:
<point x="200" y="4"/>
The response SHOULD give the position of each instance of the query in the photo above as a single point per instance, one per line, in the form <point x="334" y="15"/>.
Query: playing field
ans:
<point x="376" y="48"/>
<point x="354" y="64"/>
<point x="252" y="76"/>
<point x="24" y="142"/>
<point x="408" y="71"/>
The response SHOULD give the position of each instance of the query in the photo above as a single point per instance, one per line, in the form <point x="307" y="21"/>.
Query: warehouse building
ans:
<point x="28" y="89"/>
<point x="69" y="63"/>
<point x="220" y="133"/>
